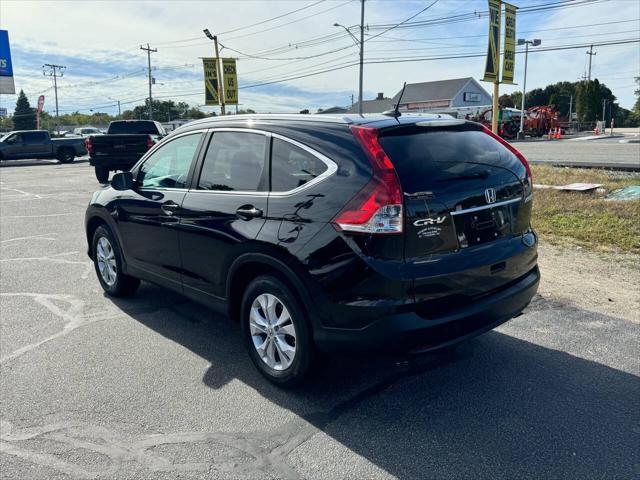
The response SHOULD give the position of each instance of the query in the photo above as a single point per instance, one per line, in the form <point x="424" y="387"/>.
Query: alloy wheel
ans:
<point x="272" y="331"/>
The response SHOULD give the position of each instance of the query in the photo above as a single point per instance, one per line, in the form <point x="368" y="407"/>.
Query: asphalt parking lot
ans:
<point x="156" y="387"/>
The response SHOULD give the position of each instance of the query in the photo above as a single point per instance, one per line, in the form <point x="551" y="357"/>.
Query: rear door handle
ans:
<point x="247" y="212"/>
<point x="169" y="208"/>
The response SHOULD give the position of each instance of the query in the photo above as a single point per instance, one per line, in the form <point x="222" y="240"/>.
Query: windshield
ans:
<point x="4" y="137"/>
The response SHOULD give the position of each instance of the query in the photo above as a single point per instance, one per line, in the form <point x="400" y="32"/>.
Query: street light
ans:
<point x="534" y="43"/>
<point x="359" y="44"/>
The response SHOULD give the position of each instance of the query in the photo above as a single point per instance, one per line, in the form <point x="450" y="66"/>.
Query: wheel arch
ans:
<point x="94" y="218"/>
<point x="249" y="266"/>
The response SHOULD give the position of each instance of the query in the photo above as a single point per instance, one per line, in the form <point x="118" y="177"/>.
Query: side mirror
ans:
<point x="122" y="181"/>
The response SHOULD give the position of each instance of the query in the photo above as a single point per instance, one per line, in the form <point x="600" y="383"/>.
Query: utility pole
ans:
<point x="604" y="109"/>
<point x="221" y="92"/>
<point x="535" y="42"/>
<point x="119" y="112"/>
<point x="149" y="51"/>
<point x="359" y="44"/>
<point x="591" y="53"/>
<point x="54" y="71"/>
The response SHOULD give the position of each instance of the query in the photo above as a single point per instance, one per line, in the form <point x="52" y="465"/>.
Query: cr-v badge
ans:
<point x="429" y="221"/>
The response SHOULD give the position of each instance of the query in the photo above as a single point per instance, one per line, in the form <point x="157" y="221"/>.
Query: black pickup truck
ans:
<point x="123" y="145"/>
<point x="38" y="144"/>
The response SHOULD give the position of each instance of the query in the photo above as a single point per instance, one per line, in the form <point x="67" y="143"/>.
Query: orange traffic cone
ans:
<point x="550" y="136"/>
<point x="559" y="137"/>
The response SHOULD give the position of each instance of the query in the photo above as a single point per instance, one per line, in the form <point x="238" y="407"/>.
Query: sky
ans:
<point x="99" y="43"/>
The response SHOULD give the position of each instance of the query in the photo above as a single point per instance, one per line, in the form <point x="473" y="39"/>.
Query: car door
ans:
<point x="14" y="146"/>
<point x="148" y="215"/>
<point x="37" y="145"/>
<point x="224" y="210"/>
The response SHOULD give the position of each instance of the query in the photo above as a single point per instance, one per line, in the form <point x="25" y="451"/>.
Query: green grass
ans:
<point x="586" y="219"/>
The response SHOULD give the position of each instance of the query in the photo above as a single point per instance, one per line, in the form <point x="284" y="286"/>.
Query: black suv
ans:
<point x="321" y="232"/>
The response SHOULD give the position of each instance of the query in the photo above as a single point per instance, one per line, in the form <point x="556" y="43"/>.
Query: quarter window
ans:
<point x="168" y="166"/>
<point x="234" y="161"/>
<point x="292" y="167"/>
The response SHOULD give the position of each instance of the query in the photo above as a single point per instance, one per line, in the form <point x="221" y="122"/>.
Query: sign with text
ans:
<point x="211" y="85"/>
<point x="6" y="67"/>
<point x="492" y="67"/>
<point x="230" y="79"/>
<point x="509" y="59"/>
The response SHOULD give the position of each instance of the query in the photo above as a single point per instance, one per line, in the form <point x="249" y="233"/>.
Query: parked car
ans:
<point x="38" y="144"/>
<point x="122" y="146"/>
<point x="323" y="233"/>
<point x="85" y="132"/>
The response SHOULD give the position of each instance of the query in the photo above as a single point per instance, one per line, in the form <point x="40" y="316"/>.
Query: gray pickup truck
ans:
<point x="38" y="144"/>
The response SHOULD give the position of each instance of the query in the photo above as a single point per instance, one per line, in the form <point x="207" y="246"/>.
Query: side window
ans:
<point x="34" y="137"/>
<point x="168" y="166"/>
<point x="16" y="138"/>
<point x="234" y="161"/>
<point x="292" y="167"/>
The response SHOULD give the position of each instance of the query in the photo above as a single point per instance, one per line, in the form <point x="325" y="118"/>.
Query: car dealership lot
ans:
<point x="155" y="386"/>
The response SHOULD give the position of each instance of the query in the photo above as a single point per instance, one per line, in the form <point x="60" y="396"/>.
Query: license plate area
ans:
<point x="483" y="225"/>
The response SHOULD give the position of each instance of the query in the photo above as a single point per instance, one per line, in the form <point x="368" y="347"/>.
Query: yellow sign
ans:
<point x="230" y="81"/>
<point x="492" y="68"/>
<point x="211" y="86"/>
<point x="509" y="59"/>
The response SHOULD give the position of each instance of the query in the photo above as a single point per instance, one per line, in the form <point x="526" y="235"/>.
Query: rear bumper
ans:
<point x="411" y="331"/>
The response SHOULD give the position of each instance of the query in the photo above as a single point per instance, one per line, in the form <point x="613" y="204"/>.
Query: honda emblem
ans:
<point x="490" y="195"/>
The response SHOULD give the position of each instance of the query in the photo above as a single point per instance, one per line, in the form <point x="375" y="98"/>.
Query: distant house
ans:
<point x="441" y="95"/>
<point x="378" y="105"/>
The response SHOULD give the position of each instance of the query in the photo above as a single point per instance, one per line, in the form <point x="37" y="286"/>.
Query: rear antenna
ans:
<point x="395" y="113"/>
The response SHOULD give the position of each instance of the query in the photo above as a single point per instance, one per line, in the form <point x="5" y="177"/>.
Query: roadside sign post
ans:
<point x="39" y="111"/>
<point x="492" y="66"/>
<point x="221" y="83"/>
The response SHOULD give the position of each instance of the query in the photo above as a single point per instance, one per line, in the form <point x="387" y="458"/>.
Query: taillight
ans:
<point x="150" y="142"/>
<point x="513" y="150"/>
<point x="377" y="208"/>
<point x="89" y="145"/>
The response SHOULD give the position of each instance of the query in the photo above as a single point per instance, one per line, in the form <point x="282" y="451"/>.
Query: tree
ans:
<point x="504" y="101"/>
<point x="24" y="117"/>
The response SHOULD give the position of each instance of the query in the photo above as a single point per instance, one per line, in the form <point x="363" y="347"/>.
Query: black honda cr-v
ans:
<point x="321" y="232"/>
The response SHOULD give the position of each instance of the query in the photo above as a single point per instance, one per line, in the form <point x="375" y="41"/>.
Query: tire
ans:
<point x="107" y="260"/>
<point x="102" y="174"/>
<point x="288" y="369"/>
<point x="66" y="155"/>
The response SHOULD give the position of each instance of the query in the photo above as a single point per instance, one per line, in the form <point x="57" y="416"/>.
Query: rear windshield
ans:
<point x="420" y="155"/>
<point x="139" y="127"/>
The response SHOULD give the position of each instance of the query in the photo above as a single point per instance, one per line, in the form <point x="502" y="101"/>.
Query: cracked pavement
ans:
<point x="157" y="386"/>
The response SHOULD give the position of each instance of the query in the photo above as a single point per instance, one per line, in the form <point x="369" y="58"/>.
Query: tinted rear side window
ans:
<point x="141" y="127"/>
<point x="416" y="155"/>
<point x="292" y="167"/>
<point x="235" y="161"/>
<point x="35" y="137"/>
